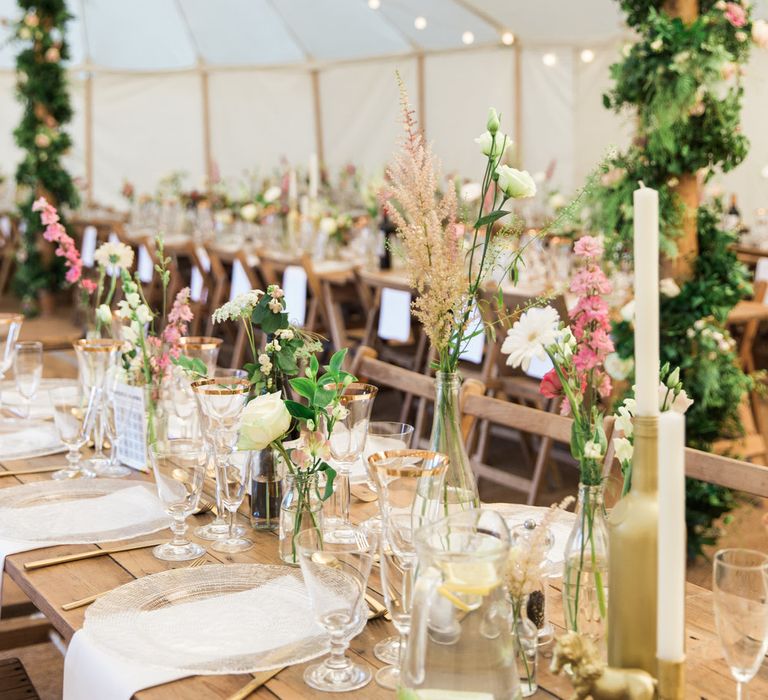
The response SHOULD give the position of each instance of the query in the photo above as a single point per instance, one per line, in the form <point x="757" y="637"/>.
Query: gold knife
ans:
<point x="40" y="563"/>
<point x="39" y="470"/>
<point x="259" y="679"/>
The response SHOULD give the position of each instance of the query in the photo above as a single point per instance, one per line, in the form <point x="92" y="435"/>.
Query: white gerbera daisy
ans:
<point x="536" y="329"/>
<point x="114" y="254"/>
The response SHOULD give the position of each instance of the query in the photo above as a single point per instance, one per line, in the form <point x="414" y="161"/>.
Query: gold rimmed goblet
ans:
<point x="221" y="401"/>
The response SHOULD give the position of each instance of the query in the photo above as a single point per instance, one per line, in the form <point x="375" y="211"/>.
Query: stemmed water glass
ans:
<point x="28" y="371"/>
<point x="408" y="483"/>
<point x="740" y="594"/>
<point x="74" y="411"/>
<point x="221" y="402"/>
<point x="336" y="576"/>
<point x="112" y="468"/>
<point x="347" y="441"/>
<point x="10" y="327"/>
<point x="179" y="467"/>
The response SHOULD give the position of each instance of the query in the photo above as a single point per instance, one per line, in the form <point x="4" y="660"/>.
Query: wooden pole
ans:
<point x="518" y="106"/>
<point x="421" y="94"/>
<point x="207" y="148"/>
<point x="317" y="103"/>
<point x="681" y="268"/>
<point x="88" y="126"/>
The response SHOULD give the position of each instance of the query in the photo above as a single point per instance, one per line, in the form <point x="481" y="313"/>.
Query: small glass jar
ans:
<point x="301" y="509"/>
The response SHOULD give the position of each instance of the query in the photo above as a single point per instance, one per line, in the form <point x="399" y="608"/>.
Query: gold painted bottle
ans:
<point x="632" y="558"/>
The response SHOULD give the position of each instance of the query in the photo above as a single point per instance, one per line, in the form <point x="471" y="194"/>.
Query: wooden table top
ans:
<point x="708" y="677"/>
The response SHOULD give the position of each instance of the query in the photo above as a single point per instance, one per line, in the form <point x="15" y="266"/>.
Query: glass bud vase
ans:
<point x="585" y="572"/>
<point x="526" y="640"/>
<point x="267" y="468"/>
<point x="460" y="487"/>
<point x="301" y="509"/>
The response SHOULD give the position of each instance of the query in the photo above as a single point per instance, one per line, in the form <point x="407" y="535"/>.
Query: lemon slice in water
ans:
<point x="470" y="578"/>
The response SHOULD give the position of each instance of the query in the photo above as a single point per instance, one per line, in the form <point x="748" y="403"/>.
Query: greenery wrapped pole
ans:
<point x="41" y="87"/>
<point x="683" y="79"/>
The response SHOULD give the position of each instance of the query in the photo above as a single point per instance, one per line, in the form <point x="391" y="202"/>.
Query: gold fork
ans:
<point x="89" y="599"/>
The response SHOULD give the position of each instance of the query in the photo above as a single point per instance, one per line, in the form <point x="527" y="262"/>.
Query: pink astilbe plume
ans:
<point x="178" y="323"/>
<point x="428" y="231"/>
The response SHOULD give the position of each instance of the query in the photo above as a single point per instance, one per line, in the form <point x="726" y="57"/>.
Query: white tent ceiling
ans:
<point x="166" y="35"/>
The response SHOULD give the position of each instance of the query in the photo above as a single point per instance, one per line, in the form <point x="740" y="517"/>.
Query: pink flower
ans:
<point x="590" y="280"/>
<point x="171" y="334"/>
<point x="88" y="285"/>
<point x="551" y="386"/>
<point x="735" y="14"/>
<point x="589" y="247"/>
<point x="585" y="359"/>
<point x="604" y="387"/>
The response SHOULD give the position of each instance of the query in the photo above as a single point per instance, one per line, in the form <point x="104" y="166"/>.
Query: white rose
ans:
<point x="623" y="448"/>
<point x="249" y="212"/>
<point x="104" y="314"/>
<point x="328" y="225"/>
<point x="668" y="287"/>
<point x="133" y="299"/>
<point x="272" y="194"/>
<point x="263" y="420"/>
<point x="488" y="143"/>
<point x="760" y="33"/>
<point x="592" y="450"/>
<point x="517" y="184"/>
<point x="143" y="314"/>
<point x="617" y="367"/>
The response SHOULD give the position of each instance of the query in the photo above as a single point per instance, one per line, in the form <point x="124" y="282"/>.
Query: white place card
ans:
<point x="146" y="268"/>
<point x="88" y="246"/>
<point x="395" y="315"/>
<point x="196" y="290"/>
<point x="538" y="368"/>
<point x="295" y="289"/>
<point x="240" y="282"/>
<point x="131" y="423"/>
<point x="473" y="350"/>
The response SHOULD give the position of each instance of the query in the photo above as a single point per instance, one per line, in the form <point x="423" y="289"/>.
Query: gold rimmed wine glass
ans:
<point x="347" y="442"/>
<point x="74" y="411"/>
<point x="409" y="484"/>
<point x="202" y="347"/>
<point x="221" y="401"/>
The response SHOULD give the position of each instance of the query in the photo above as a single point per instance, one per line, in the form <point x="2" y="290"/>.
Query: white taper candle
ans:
<point x="646" y="248"/>
<point x="670" y="625"/>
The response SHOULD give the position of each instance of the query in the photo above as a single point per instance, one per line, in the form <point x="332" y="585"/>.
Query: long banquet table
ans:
<point x="708" y="677"/>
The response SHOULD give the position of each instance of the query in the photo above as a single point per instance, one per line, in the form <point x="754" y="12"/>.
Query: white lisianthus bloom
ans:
<point x="681" y="402"/>
<point x="517" y="184"/>
<point x="114" y="254"/>
<point x="592" y="450"/>
<point x="263" y="420"/>
<point x="272" y="194"/>
<point x="617" y="367"/>
<point x="668" y="287"/>
<point x="623" y="449"/>
<point x="624" y="421"/>
<point x="535" y="330"/>
<point x="493" y="147"/>
<point x="249" y="212"/>
<point x="104" y="314"/>
<point x="143" y="314"/>
<point x="133" y="299"/>
<point x="328" y="225"/>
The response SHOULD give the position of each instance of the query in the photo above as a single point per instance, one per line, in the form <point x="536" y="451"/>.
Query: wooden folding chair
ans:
<point x="724" y="471"/>
<point x="524" y="420"/>
<point x="366" y="367"/>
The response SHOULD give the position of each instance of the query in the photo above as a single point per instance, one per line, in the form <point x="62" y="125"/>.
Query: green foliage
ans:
<point x="683" y="82"/>
<point x="41" y="87"/>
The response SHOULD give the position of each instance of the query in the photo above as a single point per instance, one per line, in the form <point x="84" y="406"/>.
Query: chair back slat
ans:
<point x="724" y="471"/>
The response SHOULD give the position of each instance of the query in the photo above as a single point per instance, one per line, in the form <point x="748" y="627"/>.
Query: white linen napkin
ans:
<point x="145" y="267"/>
<point x="31" y="439"/>
<point x="395" y="315"/>
<point x="136" y="509"/>
<point x="91" y="672"/>
<point x="295" y="288"/>
<point x="88" y="246"/>
<point x="240" y="283"/>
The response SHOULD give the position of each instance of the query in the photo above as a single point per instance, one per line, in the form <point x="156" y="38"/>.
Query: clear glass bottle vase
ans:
<point x="585" y="570"/>
<point x="301" y="509"/>
<point x="526" y="640"/>
<point x="460" y="486"/>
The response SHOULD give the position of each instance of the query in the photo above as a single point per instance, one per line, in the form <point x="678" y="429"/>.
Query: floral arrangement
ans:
<point x="287" y="346"/>
<point x="447" y="274"/>
<point x="684" y="80"/>
<point x="578" y="355"/>
<point x="41" y="87"/>
<point x="672" y="397"/>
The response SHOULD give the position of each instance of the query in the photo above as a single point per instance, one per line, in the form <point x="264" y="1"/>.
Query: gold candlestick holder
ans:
<point x="671" y="679"/>
<point x="632" y="559"/>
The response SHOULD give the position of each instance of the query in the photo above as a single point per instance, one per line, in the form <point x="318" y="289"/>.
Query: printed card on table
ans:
<point x="131" y="423"/>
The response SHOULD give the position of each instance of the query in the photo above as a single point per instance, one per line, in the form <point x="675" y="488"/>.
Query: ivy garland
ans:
<point x="41" y="86"/>
<point x="684" y="83"/>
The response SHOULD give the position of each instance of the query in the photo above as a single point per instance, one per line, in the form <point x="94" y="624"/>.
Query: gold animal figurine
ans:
<point x="591" y="677"/>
